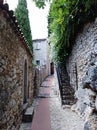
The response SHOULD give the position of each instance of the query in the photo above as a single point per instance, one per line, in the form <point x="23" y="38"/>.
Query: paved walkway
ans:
<point x="41" y="120"/>
<point x="50" y="115"/>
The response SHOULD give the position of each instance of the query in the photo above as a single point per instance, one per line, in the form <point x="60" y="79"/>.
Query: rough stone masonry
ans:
<point x="82" y="69"/>
<point x="16" y="71"/>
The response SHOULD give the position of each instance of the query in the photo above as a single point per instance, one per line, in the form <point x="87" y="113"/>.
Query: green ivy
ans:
<point x="66" y="19"/>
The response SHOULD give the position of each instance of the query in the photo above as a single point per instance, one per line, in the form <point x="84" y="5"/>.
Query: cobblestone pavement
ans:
<point x="62" y="119"/>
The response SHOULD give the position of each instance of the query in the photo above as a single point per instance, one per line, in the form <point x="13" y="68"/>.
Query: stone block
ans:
<point x="91" y="124"/>
<point x="90" y="80"/>
<point x="28" y="114"/>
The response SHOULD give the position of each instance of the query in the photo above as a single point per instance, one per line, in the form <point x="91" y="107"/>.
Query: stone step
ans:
<point x="64" y="84"/>
<point x="68" y="92"/>
<point x="67" y="97"/>
<point x="28" y="114"/>
<point x="64" y="79"/>
<point x="67" y="102"/>
<point x="65" y="93"/>
<point x="67" y="89"/>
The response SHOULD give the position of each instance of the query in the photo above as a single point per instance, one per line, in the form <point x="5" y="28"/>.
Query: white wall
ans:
<point x="41" y="53"/>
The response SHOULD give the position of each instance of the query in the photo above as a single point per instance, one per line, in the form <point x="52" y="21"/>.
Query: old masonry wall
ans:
<point x="82" y="69"/>
<point x="16" y="71"/>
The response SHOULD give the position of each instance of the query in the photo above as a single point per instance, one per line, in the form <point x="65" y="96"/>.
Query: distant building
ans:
<point x="41" y="56"/>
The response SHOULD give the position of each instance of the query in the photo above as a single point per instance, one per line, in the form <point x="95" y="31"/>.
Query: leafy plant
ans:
<point x="41" y="3"/>
<point x="66" y="19"/>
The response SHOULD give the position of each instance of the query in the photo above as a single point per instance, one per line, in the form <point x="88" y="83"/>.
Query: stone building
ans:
<point x="82" y="69"/>
<point x="16" y="71"/>
<point x="41" y="56"/>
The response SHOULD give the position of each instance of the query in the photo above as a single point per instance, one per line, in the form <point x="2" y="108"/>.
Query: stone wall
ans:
<point x="16" y="71"/>
<point x="82" y="68"/>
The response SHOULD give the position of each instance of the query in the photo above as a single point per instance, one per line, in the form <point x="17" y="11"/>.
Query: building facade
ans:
<point x="41" y="57"/>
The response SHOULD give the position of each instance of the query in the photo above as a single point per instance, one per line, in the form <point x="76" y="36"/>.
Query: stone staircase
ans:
<point x="66" y="91"/>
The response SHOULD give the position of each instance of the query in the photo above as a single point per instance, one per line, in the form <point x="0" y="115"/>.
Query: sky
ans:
<point x="38" y="18"/>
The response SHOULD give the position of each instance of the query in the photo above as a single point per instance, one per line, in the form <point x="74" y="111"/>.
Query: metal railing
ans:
<point x="58" y="70"/>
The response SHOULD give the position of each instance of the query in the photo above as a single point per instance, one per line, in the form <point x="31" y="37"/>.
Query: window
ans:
<point x="37" y="46"/>
<point x="38" y="62"/>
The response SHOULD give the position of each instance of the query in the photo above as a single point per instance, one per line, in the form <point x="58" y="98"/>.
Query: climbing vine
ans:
<point x="66" y="19"/>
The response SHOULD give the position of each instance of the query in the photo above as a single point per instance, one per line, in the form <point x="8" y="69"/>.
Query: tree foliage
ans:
<point x="66" y="19"/>
<point x="41" y="3"/>
<point x="21" y="13"/>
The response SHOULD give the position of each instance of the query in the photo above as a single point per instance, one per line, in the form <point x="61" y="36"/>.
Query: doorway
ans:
<point x="52" y="68"/>
<point x="25" y="83"/>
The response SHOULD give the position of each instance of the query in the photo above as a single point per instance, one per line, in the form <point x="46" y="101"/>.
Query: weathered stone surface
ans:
<point x="82" y="69"/>
<point x="13" y="55"/>
<point x="90" y="80"/>
<point x="91" y="124"/>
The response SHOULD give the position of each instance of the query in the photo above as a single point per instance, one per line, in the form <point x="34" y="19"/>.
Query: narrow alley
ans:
<point x="49" y="114"/>
<point x="48" y="82"/>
